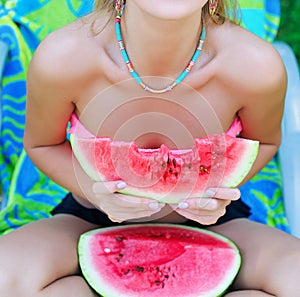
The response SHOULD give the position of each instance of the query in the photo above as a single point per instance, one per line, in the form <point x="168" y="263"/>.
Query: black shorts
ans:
<point x="237" y="209"/>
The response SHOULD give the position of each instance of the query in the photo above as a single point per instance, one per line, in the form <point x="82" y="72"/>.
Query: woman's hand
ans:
<point x="121" y="207"/>
<point x="207" y="210"/>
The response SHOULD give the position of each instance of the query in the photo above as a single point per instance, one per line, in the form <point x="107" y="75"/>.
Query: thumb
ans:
<point x="224" y="193"/>
<point x="108" y="187"/>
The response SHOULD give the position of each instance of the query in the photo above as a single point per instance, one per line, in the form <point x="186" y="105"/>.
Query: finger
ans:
<point x="132" y="201"/>
<point x="210" y="204"/>
<point x="128" y="204"/>
<point x="224" y="193"/>
<point x="108" y="187"/>
<point x="201" y="204"/>
<point x="203" y="218"/>
<point x="140" y="216"/>
<point x="115" y="219"/>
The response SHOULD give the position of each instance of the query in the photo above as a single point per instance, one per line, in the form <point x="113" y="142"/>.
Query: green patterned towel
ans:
<point x="262" y="17"/>
<point x="31" y="195"/>
<point x="23" y="24"/>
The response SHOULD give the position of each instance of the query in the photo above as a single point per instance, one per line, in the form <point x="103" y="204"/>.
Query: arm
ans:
<point x="259" y="84"/>
<point x="57" y="76"/>
<point x="262" y="111"/>
<point x="50" y="102"/>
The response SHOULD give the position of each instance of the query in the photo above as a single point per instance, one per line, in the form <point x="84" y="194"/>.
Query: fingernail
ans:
<point x="154" y="205"/>
<point x="94" y="188"/>
<point x="183" y="205"/>
<point x="121" y="185"/>
<point x="210" y="193"/>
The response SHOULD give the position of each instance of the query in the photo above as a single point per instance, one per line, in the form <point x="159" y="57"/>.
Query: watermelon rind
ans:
<point x="105" y="290"/>
<point x="227" y="175"/>
<point x="248" y="157"/>
<point x="86" y="165"/>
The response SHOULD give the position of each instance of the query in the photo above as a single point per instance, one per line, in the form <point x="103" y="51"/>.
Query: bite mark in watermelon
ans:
<point x="166" y="175"/>
<point x="155" y="260"/>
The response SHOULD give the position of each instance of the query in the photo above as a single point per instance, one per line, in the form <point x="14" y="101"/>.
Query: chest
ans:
<point x="126" y="112"/>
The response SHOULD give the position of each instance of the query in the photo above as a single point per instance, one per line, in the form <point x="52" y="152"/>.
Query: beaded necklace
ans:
<point x="134" y="74"/>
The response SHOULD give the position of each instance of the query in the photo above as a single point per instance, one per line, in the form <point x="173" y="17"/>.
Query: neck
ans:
<point x="159" y="47"/>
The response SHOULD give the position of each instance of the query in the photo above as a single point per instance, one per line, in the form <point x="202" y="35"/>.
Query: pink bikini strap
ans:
<point x="235" y="128"/>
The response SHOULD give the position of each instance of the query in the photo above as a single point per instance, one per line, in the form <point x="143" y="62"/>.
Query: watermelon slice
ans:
<point x="155" y="260"/>
<point x="166" y="175"/>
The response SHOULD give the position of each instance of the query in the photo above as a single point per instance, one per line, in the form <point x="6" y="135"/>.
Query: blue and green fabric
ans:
<point x="30" y="194"/>
<point x="263" y="193"/>
<point x="261" y="17"/>
<point x="23" y="24"/>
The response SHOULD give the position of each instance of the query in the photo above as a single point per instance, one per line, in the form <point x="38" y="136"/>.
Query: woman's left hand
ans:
<point x="207" y="210"/>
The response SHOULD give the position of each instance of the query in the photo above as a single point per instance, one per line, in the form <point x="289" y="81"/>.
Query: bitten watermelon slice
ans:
<point x="162" y="174"/>
<point x="157" y="260"/>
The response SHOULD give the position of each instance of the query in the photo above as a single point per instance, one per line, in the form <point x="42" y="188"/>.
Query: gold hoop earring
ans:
<point x="212" y="6"/>
<point x="118" y="5"/>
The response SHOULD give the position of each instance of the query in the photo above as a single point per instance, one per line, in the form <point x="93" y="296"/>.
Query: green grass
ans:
<point x="289" y="30"/>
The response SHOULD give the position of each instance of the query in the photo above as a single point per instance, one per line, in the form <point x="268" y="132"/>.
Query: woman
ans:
<point x="80" y="72"/>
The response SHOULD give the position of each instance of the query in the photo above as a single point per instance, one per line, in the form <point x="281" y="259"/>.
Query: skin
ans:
<point x="74" y="71"/>
<point x="82" y="83"/>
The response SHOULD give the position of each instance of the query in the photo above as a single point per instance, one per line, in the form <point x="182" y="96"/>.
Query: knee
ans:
<point x="12" y="282"/>
<point x="291" y="267"/>
<point x="8" y="282"/>
<point x="285" y="278"/>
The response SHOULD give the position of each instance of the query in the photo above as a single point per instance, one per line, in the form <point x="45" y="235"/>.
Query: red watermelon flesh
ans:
<point x="157" y="260"/>
<point x="167" y="175"/>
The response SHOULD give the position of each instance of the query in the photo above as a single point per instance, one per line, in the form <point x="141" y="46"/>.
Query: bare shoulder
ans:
<point x="252" y="72"/>
<point x="66" y="55"/>
<point x="249" y="62"/>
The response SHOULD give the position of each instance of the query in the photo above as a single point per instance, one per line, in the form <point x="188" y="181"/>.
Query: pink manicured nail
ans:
<point x="121" y="185"/>
<point x="210" y="193"/>
<point x="154" y="205"/>
<point x="183" y="205"/>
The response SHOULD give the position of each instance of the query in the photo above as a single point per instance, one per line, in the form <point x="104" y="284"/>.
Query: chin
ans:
<point x="170" y="9"/>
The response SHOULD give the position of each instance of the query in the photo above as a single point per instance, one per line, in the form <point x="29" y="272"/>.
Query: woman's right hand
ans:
<point x="120" y="207"/>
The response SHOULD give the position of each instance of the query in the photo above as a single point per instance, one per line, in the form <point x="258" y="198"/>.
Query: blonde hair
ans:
<point x="108" y="5"/>
<point x="226" y="10"/>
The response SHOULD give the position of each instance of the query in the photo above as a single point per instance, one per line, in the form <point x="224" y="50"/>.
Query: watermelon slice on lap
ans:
<point x="158" y="260"/>
<point x="166" y="175"/>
